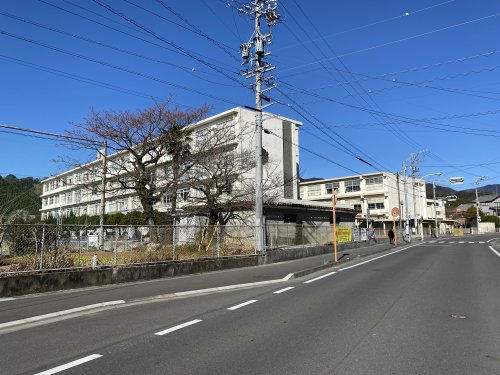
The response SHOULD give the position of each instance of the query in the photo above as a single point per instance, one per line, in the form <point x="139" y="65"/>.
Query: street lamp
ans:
<point x="478" y="180"/>
<point x="434" y="201"/>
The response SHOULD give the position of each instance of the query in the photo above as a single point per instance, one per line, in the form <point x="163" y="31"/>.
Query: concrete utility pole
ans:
<point x="407" y="211"/>
<point x="436" y="233"/>
<point x="478" y="218"/>
<point x="104" y="155"/>
<point x="259" y="9"/>
<point x="414" y="160"/>
<point x="399" y="203"/>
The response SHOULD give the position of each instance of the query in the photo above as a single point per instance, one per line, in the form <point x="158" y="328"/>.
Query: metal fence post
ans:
<point x="116" y="244"/>
<point x="218" y="241"/>
<point x="42" y="248"/>
<point x="277" y="238"/>
<point x="174" y="240"/>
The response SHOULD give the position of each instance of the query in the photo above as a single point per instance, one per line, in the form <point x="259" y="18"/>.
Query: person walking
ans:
<point x="390" y="234"/>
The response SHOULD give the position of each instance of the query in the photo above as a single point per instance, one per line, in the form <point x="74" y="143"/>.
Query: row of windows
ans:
<point x="350" y="186"/>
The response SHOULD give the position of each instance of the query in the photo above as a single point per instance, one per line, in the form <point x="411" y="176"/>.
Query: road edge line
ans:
<point x="58" y="314"/>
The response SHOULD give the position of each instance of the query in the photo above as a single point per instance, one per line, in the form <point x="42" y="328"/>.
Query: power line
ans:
<point x="404" y="15"/>
<point x="183" y="50"/>
<point x="424" y="67"/>
<point x="226" y="49"/>
<point x="397" y="41"/>
<point x="117" y="67"/>
<point x="126" y="33"/>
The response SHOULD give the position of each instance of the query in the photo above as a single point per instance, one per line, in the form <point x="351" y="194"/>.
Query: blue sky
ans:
<point x="379" y="80"/>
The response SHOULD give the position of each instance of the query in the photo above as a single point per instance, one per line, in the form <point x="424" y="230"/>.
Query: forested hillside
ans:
<point x="19" y="194"/>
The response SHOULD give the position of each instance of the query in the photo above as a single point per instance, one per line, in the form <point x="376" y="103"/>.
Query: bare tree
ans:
<point x="222" y="176"/>
<point x="141" y="141"/>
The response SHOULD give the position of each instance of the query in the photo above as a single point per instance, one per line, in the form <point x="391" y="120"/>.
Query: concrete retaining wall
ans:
<point x="281" y="255"/>
<point x="47" y="281"/>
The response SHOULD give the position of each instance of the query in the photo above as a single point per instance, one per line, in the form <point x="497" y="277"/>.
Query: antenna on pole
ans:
<point x="253" y="53"/>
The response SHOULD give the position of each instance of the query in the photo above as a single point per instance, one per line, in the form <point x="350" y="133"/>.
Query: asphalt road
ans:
<point x="432" y="308"/>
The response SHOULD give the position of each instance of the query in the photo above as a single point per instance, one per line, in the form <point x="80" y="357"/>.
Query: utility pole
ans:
<point x="407" y="212"/>
<point x="478" y="218"/>
<point x="435" y="212"/>
<point x="414" y="160"/>
<point x="104" y="156"/>
<point x="399" y="203"/>
<point x="259" y="9"/>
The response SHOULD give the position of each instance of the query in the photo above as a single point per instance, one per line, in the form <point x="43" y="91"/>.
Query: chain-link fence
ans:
<point x="279" y="235"/>
<point x="39" y="247"/>
<point x="26" y="247"/>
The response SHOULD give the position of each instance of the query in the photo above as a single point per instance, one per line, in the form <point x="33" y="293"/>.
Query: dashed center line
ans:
<point x="283" y="290"/>
<point x="242" y="305"/>
<point x="481" y="241"/>
<point x="177" y="327"/>
<point x="451" y="241"/>
<point x="70" y="364"/>
<point x="460" y="241"/>
<point x="320" y="277"/>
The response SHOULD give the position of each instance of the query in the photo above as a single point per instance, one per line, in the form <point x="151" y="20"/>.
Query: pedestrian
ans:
<point x="371" y="235"/>
<point x="390" y="234"/>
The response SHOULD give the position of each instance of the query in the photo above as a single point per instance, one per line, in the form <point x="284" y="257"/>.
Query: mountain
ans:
<point x="19" y="194"/>
<point x="488" y="189"/>
<point x="463" y="196"/>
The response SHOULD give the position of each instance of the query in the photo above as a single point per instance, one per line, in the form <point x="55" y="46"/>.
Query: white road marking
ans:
<point x="70" y="364"/>
<point x="177" y="327"/>
<point x="283" y="290"/>
<point x="441" y="241"/>
<point x="242" y="304"/>
<point x="492" y="239"/>
<point x="222" y="288"/>
<point x="382" y="256"/>
<point x="471" y="241"/>
<point x="492" y="249"/>
<point x="451" y="241"/>
<point x="460" y="241"/>
<point x="59" y="313"/>
<point x="320" y="277"/>
<point x="481" y="241"/>
<point x="7" y="299"/>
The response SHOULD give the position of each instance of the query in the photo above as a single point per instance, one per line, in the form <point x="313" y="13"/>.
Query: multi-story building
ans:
<point x="375" y="195"/>
<point x="69" y="191"/>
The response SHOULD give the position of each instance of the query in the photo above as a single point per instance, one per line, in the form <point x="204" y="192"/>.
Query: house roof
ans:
<point x="488" y="198"/>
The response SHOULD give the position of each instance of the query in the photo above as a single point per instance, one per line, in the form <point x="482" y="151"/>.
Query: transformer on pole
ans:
<point x="253" y="54"/>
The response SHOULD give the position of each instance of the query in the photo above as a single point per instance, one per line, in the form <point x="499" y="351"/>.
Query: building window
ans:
<point x="314" y="190"/>
<point x="202" y="137"/>
<point x="374" y="181"/>
<point x="357" y="206"/>
<point x="167" y="198"/>
<point x="376" y="206"/>
<point x="183" y="194"/>
<point x="330" y="186"/>
<point x="351" y="186"/>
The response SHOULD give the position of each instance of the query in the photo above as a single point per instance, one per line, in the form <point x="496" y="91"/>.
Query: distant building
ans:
<point x="374" y="195"/>
<point x="490" y="204"/>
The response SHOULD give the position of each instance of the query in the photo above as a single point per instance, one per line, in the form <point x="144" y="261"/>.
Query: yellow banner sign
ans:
<point x="344" y="234"/>
<point x="458" y="232"/>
